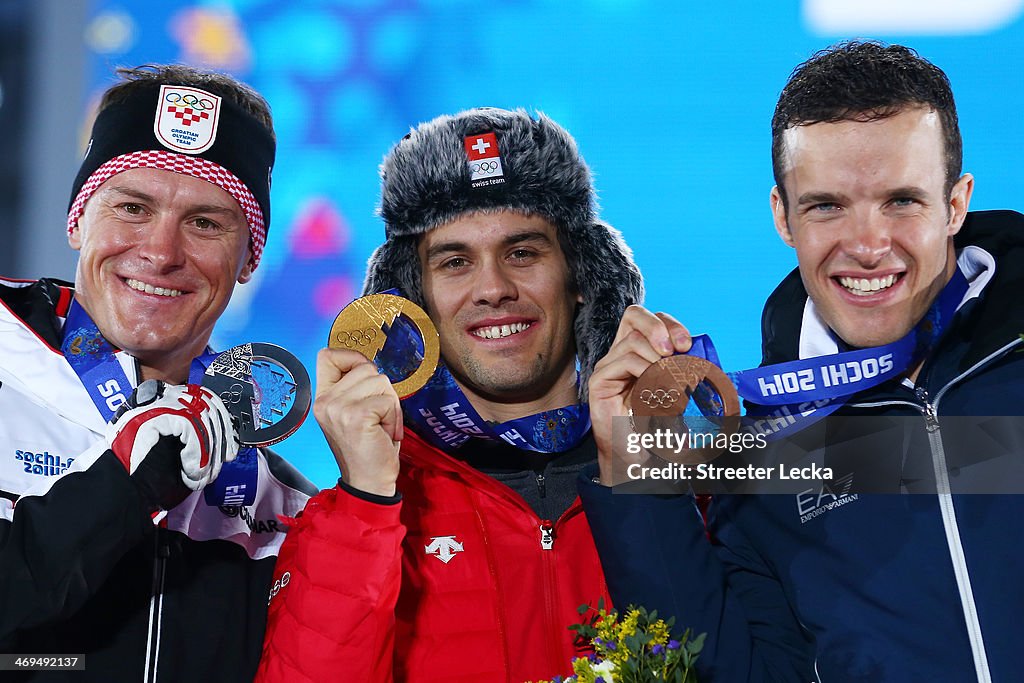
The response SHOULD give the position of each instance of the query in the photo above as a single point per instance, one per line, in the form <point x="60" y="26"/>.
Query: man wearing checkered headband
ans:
<point x="110" y="554"/>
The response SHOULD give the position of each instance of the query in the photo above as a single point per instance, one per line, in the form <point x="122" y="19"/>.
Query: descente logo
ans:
<point x="43" y="464"/>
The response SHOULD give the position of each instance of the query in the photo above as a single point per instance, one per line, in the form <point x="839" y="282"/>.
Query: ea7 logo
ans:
<point x="811" y="503"/>
<point x="443" y="548"/>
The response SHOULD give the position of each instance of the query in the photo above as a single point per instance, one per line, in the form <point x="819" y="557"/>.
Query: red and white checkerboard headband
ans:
<point x="197" y="167"/>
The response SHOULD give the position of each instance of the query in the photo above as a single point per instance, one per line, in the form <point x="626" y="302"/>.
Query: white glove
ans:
<point x="193" y="415"/>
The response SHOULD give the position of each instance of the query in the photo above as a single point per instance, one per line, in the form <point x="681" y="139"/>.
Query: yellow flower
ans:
<point x="581" y="667"/>
<point x="606" y="627"/>
<point x="658" y="632"/>
<point x="628" y="626"/>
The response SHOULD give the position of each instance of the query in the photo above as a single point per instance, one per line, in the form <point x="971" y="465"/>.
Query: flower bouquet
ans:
<point x="637" y="648"/>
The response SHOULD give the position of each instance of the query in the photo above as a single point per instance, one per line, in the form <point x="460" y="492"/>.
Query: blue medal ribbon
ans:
<point x="441" y="413"/>
<point x="238" y="480"/>
<point x="789" y="395"/>
<point x="93" y="359"/>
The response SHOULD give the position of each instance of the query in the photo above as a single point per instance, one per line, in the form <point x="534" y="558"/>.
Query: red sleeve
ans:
<point x="332" y="604"/>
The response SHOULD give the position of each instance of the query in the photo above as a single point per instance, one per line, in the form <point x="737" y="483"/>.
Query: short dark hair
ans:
<point x="865" y="81"/>
<point x="222" y="85"/>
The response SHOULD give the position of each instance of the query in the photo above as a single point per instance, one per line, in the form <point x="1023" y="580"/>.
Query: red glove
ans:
<point x="190" y="421"/>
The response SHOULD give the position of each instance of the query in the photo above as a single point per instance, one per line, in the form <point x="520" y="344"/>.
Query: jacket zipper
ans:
<point x="953" y="541"/>
<point x="930" y="412"/>
<point x="547" y="535"/>
<point x="548" y="532"/>
<point x="547" y="543"/>
<point x="156" y="607"/>
<point x="551" y="616"/>
<point x="949" y="521"/>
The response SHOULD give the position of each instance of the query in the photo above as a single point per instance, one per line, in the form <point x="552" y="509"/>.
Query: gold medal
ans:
<point x="662" y="393"/>
<point x="362" y="326"/>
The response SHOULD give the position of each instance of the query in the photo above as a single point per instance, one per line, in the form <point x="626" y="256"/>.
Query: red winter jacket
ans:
<point x="461" y="581"/>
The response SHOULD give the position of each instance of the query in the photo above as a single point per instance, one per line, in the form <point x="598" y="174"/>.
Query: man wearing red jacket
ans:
<point x="454" y="546"/>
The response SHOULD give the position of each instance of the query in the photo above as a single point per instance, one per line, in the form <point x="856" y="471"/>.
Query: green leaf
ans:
<point x="696" y="645"/>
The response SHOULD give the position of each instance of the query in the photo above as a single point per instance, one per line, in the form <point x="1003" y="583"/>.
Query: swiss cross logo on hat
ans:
<point x="484" y="160"/>
<point x="186" y="119"/>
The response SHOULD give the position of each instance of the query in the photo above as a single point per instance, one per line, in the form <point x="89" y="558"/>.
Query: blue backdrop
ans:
<point x="670" y="104"/>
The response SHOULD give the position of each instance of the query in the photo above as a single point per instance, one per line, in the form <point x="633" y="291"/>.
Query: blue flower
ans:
<point x="673" y="644"/>
<point x="657" y="649"/>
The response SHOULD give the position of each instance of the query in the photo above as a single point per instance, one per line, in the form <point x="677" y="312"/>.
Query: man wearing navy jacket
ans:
<point x="834" y="583"/>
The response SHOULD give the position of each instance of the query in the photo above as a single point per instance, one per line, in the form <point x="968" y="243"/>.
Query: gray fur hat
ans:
<point x="492" y="159"/>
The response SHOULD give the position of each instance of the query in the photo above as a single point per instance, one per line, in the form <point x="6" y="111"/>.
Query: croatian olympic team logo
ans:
<point x="186" y="119"/>
<point x="484" y="159"/>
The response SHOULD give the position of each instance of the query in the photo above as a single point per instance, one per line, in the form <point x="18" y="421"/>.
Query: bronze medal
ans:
<point x="662" y="393"/>
<point x="363" y="326"/>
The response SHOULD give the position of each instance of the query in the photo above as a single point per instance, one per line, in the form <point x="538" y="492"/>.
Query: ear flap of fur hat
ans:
<point x="429" y="180"/>
<point x="609" y="281"/>
<point x="396" y="265"/>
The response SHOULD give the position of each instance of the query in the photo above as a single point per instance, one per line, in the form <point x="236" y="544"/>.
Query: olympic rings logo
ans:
<point x="232" y="395"/>
<point x="659" y="398"/>
<point x="351" y="340"/>
<point x="484" y="166"/>
<point x="189" y="100"/>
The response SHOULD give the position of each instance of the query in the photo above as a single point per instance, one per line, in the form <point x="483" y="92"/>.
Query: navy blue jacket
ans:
<point x="832" y="585"/>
